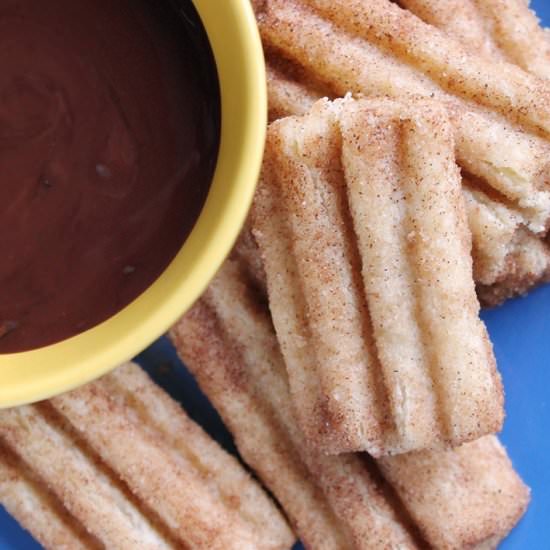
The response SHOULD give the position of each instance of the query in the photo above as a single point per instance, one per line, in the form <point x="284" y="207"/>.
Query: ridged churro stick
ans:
<point x="508" y="259"/>
<point x="365" y="245"/>
<point x="199" y="491"/>
<point x="228" y="343"/>
<point x="502" y="29"/>
<point x="37" y="509"/>
<point x="78" y="480"/>
<point x="512" y="161"/>
<point x="138" y="473"/>
<point x="256" y="427"/>
<point x="336" y="502"/>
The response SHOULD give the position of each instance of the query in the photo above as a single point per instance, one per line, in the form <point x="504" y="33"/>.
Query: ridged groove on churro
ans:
<point x="508" y="259"/>
<point x="28" y="499"/>
<point x="502" y="29"/>
<point x="405" y="213"/>
<point x="138" y="473"/>
<point x="514" y="162"/>
<point x="86" y="489"/>
<point x="229" y="344"/>
<point x="200" y="492"/>
<point x="474" y="482"/>
<point x="324" y="333"/>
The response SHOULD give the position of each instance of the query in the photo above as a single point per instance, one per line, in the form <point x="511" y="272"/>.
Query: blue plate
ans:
<point x="520" y="332"/>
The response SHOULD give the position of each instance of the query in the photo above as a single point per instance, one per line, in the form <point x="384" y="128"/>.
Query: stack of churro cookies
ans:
<point x="375" y="48"/>
<point x="406" y="179"/>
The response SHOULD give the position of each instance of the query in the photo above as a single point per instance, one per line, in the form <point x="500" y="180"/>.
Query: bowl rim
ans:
<point x="39" y="374"/>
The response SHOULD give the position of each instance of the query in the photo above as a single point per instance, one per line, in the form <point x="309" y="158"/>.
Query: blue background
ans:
<point x="520" y="331"/>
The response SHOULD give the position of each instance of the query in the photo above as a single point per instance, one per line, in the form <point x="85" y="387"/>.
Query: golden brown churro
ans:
<point x="130" y="466"/>
<point x="335" y="502"/>
<point x="343" y="45"/>
<point x="502" y="29"/>
<point x="86" y="490"/>
<point x="245" y="379"/>
<point x="363" y="234"/>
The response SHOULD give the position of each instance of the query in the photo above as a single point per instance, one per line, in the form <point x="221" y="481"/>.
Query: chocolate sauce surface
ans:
<point x="109" y="135"/>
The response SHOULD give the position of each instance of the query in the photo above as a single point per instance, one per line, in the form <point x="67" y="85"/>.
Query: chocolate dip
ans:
<point x="109" y="133"/>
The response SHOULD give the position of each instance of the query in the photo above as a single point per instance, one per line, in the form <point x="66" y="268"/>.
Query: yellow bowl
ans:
<point x="31" y="376"/>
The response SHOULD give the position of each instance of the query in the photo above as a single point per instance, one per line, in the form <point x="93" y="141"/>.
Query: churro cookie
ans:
<point x="362" y="229"/>
<point x="123" y="460"/>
